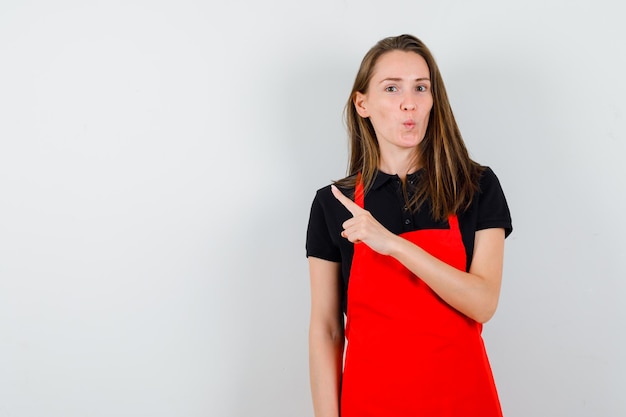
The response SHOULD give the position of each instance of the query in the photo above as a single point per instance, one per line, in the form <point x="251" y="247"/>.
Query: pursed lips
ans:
<point x="409" y="124"/>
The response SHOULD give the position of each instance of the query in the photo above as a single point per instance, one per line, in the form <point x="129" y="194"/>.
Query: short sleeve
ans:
<point x="319" y="243"/>
<point x="493" y="210"/>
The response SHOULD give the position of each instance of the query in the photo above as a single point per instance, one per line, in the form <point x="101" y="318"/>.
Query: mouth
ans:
<point x="409" y="124"/>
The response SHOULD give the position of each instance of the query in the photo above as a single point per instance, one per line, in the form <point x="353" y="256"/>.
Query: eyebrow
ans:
<point x="400" y="79"/>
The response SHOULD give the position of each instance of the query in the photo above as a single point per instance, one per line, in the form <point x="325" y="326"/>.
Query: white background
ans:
<point x="157" y="164"/>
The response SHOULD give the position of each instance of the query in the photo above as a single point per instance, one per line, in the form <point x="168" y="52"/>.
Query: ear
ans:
<point x="360" y="101"/>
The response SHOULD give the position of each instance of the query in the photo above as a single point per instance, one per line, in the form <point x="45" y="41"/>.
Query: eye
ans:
<point x="421" y="88"/>
<point x="391" y="89"/>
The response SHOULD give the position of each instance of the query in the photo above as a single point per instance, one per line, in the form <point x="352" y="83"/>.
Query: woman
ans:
<point x="410" y="247"/>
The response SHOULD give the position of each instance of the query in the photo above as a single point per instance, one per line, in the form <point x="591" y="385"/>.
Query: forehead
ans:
<point x="400" y="64"/>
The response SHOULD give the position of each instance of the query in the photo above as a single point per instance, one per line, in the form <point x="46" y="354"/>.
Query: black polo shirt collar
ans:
<point x="383" y="178"/>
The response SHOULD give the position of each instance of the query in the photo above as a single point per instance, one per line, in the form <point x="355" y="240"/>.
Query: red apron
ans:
<point x="409" y="353"/>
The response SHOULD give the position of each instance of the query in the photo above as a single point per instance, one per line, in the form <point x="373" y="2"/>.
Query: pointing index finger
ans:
<point x="352" y="207"/>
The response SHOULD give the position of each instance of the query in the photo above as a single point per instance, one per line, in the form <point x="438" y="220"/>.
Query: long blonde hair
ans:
<point x="451" y="176"/>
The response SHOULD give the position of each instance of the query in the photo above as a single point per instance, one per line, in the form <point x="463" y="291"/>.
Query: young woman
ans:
<point x="410" y="248"/>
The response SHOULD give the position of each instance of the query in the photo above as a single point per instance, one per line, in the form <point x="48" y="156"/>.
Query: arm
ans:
<point x="326" y="336"/>
<point x="474" y="293"/>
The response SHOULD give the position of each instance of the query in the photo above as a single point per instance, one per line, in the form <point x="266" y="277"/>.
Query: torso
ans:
<point x="386" y="202"/>
<point x="409" y="353"/>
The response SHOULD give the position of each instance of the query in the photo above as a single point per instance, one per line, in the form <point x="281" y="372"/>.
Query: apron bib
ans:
<point x="409" y="353"/>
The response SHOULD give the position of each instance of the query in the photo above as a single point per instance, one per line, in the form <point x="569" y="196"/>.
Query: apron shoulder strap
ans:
<point x="359" y="195"/>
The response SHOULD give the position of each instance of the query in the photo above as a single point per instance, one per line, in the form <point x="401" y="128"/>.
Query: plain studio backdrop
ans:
<point x="158" y="160"/>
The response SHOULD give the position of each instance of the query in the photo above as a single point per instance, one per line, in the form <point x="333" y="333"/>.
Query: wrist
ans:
<point x="396" y="246"/>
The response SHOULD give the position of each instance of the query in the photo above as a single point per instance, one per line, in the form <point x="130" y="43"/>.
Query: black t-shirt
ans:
<point x="385" y="201"/>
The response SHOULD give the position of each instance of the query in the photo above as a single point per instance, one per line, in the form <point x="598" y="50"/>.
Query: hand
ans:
<point x="363" y="227"/>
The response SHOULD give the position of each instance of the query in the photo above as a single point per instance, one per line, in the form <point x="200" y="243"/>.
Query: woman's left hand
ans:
<point x="363" y="227"/>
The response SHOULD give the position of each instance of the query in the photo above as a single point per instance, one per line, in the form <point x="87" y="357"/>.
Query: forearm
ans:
<point x="473" y="293"/>
<point x="325" y="368"/>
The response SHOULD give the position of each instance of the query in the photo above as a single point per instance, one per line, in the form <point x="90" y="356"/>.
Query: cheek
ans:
<point x="428" y="108"/>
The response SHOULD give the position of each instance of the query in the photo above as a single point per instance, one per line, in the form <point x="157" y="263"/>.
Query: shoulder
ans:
<point x="325" y="196"/>
<point x="489" y="186"/>
<point x="326" y="203"/>
<point x="488" y="179"/>
<point x="325" y="224"/>
<point x="491" y="204"/>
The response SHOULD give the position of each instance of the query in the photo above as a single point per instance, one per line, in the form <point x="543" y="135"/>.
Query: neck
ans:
<point x="399" y="163"/>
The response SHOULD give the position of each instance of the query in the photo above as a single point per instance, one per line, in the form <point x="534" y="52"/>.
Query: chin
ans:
<point x="412" y="143"/>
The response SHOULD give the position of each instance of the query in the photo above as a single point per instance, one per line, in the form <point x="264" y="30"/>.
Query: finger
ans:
<point x="345" y="235"/>
<point x="352" y="207"/>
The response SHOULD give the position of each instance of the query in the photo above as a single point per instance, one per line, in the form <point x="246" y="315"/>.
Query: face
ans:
<point x="398" y="100"/>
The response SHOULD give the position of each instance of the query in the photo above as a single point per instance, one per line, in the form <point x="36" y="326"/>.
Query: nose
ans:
<point x="408" y="105"/>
